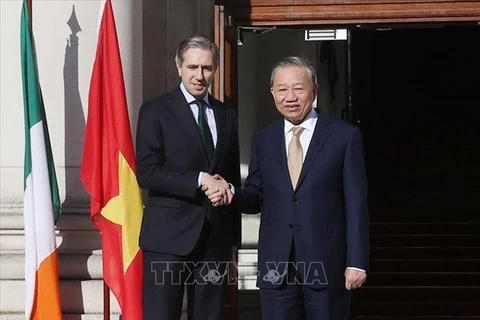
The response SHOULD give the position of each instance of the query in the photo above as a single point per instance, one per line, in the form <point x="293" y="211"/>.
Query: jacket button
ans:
<point x="290" y="226"/>
<point x="294" y="198"/>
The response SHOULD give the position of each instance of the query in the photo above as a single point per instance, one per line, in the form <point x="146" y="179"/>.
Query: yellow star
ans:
<point x="126" y="210"/>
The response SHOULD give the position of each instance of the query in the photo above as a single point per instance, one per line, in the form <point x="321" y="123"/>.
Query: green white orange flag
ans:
<point x="108" y="172"/>
<point x="41" y="205"/>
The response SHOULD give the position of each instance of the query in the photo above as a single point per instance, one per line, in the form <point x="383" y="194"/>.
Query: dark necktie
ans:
<point x="207" y="140"/>
<point x="205" y="129"/>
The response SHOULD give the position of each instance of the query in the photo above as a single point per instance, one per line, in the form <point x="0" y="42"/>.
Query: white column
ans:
<point x="11" y="107"/>
<point x="64" y="66"/>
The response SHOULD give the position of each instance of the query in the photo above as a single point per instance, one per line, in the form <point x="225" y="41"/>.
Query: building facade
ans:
<point x="252" y="35"/>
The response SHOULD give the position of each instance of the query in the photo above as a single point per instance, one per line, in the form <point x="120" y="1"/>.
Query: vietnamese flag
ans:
<point x="108" y="172"/>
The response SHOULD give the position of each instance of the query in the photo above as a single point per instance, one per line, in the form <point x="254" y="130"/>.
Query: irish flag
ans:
<point x="41" y="205"/>
<point x="108" y="172"/>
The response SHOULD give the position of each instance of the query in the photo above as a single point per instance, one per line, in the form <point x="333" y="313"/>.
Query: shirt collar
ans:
<point x="190" y="99"/>
<point x="308" y="123"/>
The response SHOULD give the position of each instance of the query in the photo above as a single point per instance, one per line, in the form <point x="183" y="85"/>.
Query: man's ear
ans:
<point x="179" y="68"/>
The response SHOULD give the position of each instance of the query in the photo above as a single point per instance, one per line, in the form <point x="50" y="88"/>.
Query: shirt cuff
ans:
<point x="358" y="269"/>
<point x="200" y="179"/>
<point x="232" y="188"/>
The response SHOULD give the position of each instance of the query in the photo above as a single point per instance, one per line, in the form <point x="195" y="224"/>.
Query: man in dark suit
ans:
<point x="183" y="137"/>
<point x="307" y="177"/>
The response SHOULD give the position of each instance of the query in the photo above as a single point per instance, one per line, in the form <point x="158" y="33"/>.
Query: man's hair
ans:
<point x="197" y="41"/>
<point x="294" y="62"/>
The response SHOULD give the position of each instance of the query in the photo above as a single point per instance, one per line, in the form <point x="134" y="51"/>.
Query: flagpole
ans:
<point x="106" y="301"/>
<point x="107" y="119"/>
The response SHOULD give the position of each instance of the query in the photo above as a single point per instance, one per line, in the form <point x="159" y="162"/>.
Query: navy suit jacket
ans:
<point x="326" y="215"/>
<point x="169" y="155"/>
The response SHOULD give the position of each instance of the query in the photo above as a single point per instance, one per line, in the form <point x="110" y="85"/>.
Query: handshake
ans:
<point x="216" y="189"/>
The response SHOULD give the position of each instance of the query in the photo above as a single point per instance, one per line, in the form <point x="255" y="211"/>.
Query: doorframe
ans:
<point x="352" y="12"/>
<point x="225" y="89"/>
<point x="229" y="14"/>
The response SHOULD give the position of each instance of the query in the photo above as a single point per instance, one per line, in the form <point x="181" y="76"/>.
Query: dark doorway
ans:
<point x="416" y="97"/>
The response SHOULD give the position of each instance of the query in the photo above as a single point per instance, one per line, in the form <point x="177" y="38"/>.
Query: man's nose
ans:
<point x="199" y="74"/>
<point x="291" y="96"/>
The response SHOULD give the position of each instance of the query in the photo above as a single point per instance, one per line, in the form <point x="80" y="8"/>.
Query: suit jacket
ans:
<point x="326" y="215"/>
<point x="169" y="155"/>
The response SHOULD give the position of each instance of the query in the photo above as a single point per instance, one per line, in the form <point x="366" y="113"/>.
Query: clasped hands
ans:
<point x="216" y="189"/>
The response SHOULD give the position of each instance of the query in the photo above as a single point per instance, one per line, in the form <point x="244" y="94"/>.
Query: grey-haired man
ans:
<point x="183" y="138"/>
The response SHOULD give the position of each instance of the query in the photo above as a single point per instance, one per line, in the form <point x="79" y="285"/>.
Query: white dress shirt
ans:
<point x="210" y="118"/>
<point x="308" y="124"/>
<point x="209" y="111"/>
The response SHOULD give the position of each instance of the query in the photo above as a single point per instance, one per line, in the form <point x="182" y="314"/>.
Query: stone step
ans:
<point x="420" y="252"/>
<point x="69" y="241"/>
<point x="424" y="212"/>
<point x="414" y="318"/>
<point x="426" y="263"/>
<point x="89" y="266"/>
<point x="77" y="297"/>
<point x="389" y="228"/>
<point x="426" y="240"/>
<point x="76" y="234"/>
<point x="247" y="269"/>
<point x="429" y="310"/>
<point x="71" y="266"/>
<point x="424" y="278"/>
<point x="373" y="309"/>
<point x="113" y="316"/>
<point x="249" y="301"/>
<point x="407" y="264"/>
<point x="250" y="227"/>
<point x="390" y="293"/>
<point x="71" y="219"/>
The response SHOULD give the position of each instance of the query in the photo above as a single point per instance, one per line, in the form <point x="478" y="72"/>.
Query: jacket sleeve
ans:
<point x="249" y="199"/>
<point x="356" y="210"/>
<point x="234" y="164"/>
<point x="150" y="159"/>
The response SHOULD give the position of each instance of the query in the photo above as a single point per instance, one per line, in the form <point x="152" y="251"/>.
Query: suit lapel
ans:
<point x="320" y="135"/>
<point x="278" y="142"/>
<point x="183" y="112"/>
<point x="221" y="123"/>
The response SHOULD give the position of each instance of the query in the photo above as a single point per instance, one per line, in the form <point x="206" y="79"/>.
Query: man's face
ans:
<point x="293" y="93"/>
<point x="197" y="71"/>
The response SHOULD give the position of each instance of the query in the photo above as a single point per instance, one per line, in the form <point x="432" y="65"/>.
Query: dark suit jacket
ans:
<point x="170" y="155"/>
<point x="327" y="213"/>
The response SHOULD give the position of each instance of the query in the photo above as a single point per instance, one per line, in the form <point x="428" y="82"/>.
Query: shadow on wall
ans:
<point x="73" y="265"/>
<point x="74" y="117"/>
<point x="132" y="70"/>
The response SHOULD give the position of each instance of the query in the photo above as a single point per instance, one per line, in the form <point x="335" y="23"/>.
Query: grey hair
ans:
<point x="294" y="62"/>
<point x="197" y="41"/>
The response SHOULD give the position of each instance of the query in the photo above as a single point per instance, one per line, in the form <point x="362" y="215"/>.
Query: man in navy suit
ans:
<point x="183" y="137"/>
<point x="307" y="177"/>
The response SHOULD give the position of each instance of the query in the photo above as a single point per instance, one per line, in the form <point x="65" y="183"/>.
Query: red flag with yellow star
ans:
<point x="108" y="172"/>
